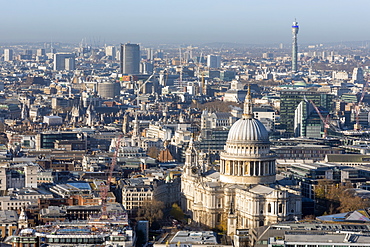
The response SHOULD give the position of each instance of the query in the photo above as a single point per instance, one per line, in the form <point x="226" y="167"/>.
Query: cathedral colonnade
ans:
<point x="248" y="168"/>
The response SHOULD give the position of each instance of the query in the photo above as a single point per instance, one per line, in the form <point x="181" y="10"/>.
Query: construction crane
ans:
<point x="357" y="125"/>
<point x="105" y="188"/>
<point x="325" y="121"/>
<point x="138" y="88"/>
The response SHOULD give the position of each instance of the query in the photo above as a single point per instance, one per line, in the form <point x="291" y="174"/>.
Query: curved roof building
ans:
<point x="247" y="158"/>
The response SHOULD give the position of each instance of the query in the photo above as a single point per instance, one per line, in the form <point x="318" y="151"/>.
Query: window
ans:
<point x="218" y="218"/>
<point x="269" y="208"/>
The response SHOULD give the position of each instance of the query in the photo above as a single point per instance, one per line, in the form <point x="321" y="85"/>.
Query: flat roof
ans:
<point x="194" y="237"/>
<point x="345" y="239"/>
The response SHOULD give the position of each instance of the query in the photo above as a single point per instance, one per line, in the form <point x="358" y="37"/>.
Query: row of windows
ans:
<point x="310" y="245"/>
<point x="137" y="194"/>
<point x="133" y="204"/>
<point x="76" y="240"/>
<point x="138" y="198"/>
<point x="13" y="203"/>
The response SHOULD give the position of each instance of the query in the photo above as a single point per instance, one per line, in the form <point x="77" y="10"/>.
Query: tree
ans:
<point x="151" y="210"/>
<point x="350" y="202"/>
<point x="177" y="212"/>
<point x="338" y="198"/>
<point x="222" y="226"/>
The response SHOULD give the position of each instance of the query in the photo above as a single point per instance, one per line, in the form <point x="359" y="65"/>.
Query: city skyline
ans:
<point x="245" y="22"/>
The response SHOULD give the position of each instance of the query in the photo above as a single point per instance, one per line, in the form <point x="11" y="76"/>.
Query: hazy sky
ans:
<point x="184" y="21"/>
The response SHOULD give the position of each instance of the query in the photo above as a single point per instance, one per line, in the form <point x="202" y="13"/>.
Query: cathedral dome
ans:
<point x="247" y="130"/>
<point x="247" y="158"/>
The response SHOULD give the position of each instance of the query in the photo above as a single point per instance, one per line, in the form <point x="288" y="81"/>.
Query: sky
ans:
<point x="183" y="21"/>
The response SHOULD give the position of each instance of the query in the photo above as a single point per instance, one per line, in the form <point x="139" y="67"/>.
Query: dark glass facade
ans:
<point x="290" y="100"/>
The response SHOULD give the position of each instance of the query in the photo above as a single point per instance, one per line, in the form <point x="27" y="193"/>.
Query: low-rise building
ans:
<point x="18" y="176"/>
<point x="8" y="222"/>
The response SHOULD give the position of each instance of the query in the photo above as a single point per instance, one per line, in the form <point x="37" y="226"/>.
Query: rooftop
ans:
<point x="192" y="237"/>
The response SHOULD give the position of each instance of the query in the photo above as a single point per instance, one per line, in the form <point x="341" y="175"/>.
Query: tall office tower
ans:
<point x="40" y="52"/>
<point x="64" y="61"/>
<point x="150" y="53"/>
<point x="295" y="29"/>
<point x="130" y="59"/>
<point x="110" y="51"/>
<point x="28" y="52"/>
<point x="8" y="55"/>
<point x="213" y="61"/>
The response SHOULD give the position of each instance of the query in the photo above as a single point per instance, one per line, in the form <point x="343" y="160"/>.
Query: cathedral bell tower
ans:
<point x="22" y="220"/>
<point x="191" y="160"/>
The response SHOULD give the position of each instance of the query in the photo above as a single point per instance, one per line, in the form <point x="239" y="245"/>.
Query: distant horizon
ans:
<point x="177" y="21"/>
<point x="148" y="44"/>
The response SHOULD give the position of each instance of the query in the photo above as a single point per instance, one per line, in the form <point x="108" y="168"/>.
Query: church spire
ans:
<point x="22" y="219"/>
<point x="248" y="111"/>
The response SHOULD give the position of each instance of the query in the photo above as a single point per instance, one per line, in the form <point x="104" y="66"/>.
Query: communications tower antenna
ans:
<point x="295" y="29"/>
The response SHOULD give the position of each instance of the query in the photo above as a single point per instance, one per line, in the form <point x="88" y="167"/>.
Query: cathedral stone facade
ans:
<point x="244" y="192"/>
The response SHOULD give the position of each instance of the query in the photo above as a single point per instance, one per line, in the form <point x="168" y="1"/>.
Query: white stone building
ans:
<point x="18" y="176"/>
<point x="244" y="192"/>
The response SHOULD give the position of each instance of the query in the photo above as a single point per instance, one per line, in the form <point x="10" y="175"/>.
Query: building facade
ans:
<point x="130" y="58"/>
<point x="244" y="192"/>
<point x="64" y="61"/>
<point x="290" y="99"/>
<point x="8" y="55"/>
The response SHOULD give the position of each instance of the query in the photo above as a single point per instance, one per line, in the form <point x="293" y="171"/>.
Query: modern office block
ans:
<point x="213" y="61"/>
<point x="64" y="61"/>
<point x="290" y="100"/>
<point x="130" y="58"/>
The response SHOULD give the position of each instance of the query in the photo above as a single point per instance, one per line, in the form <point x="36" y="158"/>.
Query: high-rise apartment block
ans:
<point x="130" y="58"/>
<point x="40" y="52"/>
<point x="213" y="61"/>
<point x="149" y="53"/>
<point x="110" y="51"/>
<point x="64" y="61"/>
<point x="8" y="55"/>
<point x="358" y="75"/>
